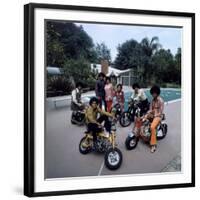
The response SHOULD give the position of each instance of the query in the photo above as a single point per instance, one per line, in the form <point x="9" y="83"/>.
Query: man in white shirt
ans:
<point x="76" y="103"/>
<point x="140" y="96"/>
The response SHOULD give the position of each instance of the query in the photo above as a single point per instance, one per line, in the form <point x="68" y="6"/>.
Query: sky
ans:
<point x="113" y="35"/>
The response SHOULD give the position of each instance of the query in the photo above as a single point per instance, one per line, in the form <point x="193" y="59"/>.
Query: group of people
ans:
<point x="105" y="93"/>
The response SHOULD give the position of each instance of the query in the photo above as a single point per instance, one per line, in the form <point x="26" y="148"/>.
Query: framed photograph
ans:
<point x="109" y="99"/>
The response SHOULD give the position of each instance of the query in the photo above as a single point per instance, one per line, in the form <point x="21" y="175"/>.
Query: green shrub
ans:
<point x="80" y="71"/>
<point x="58" y="85"/>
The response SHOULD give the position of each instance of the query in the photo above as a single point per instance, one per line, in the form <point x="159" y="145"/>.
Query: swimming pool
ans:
<point x="166" y="94"/>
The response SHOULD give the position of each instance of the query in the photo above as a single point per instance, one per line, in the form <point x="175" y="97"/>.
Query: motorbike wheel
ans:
<point x="125" y="119"/>
<point x="113" y="158"/>
<point x="164" y="131"/>
<point x="78" y="118"/>
<point x="72" y="118"/>
<point x="82" y="149"/>
<point x="131" y="142"/>
<point x="73" y="122"/>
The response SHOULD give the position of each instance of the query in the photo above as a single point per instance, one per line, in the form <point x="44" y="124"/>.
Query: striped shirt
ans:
<point x="157" y="106"/>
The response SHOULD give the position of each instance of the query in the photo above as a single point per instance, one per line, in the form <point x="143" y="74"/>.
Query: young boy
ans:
<point x="156" y="112"/>
<point x="94" y="123"/>
<point x="119" y="94"/>
<point x="140" y="96"/>
<point x="76" y="103"/>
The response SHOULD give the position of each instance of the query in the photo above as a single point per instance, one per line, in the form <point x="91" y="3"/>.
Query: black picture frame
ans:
<point x="29" y="95"/>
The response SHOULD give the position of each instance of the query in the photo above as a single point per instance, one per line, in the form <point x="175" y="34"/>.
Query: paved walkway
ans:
<point x="63" y="159"/>
<point x="174" y="165"/>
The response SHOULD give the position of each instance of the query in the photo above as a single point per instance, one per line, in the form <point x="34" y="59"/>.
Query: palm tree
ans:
<point x="149" y="47"/>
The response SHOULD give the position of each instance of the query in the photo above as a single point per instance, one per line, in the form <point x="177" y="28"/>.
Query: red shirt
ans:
<point x="119" y="97"/>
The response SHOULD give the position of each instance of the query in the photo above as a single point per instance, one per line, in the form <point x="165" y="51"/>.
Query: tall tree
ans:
<point x="55" y="49"/>
<point x="67" y="41"/>
<point x="164" y="67"/>
<point x="178" y="65"/>
<point x="150" y="46"/>
<point x="129" y="55"/>
<point x="178" y="58"/>
<point x="70" y="47"/>
<point x="102" y="52"/>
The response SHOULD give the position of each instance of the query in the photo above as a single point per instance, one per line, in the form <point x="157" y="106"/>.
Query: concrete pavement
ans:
<point x="63" y="159"/>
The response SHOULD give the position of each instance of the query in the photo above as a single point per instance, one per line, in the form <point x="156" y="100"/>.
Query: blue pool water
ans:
<point x="166" y="94"/>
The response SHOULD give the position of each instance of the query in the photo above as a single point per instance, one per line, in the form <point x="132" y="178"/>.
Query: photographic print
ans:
<point x="110" y="97"/>
<point x="133" y="59"/>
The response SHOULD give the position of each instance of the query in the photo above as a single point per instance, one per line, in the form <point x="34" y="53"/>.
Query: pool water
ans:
<point x="166" y="94"/>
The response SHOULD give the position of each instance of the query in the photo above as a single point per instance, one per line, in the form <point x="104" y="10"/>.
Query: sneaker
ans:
<point x="153" y="148"/>
<point x="107" y="134"/>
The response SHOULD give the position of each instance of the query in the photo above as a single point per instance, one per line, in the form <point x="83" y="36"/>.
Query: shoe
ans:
<point x="107" y="134"/>
<point x="87" y="131"/>
<point x="153" y="148"/>
<point x="95" y="146"/>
